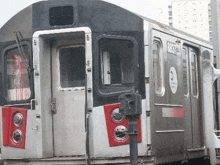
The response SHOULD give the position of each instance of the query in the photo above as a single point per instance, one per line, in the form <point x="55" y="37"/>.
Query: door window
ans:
<point x="72" y="66"/>
<point x="194" y="73"/>
<point x="158" y="68"/>
<point x="185" y="71"/>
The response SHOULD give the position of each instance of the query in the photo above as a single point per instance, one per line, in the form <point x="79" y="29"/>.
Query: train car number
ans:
<point x="171" y="47"/>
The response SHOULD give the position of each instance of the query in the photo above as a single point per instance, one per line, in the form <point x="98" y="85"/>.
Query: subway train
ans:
<point x="65" y="64"/>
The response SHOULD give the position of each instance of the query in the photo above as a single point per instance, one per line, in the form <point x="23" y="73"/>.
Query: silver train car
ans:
<point x="64" y="64"/>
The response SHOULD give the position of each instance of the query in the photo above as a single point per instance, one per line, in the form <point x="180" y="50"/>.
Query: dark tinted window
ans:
<point x="59" y="16"/>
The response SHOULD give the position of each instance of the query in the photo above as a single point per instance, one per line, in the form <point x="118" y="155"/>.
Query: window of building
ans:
<point x="170" y="13"/>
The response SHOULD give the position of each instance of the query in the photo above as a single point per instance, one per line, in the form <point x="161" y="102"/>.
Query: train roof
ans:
<point x="172" y="31"/>
<point x="100" y="16"/>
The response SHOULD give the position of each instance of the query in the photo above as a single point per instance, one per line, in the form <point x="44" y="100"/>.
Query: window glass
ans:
<point x="185" y="71"/>
<point x="59" y="16"/>
<point x="17" y="77"/>
<point x="117" y="61"/>
<point x="158" y="68"/>
<point x="194" y="73"/>
<point x="72" y="66"/>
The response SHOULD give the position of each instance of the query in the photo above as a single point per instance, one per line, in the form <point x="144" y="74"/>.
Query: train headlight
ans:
<point x="121" y="133"/>
<point x="17" y="136"/>
<point x="117" y="117"/>
<point x="18" y="119"/>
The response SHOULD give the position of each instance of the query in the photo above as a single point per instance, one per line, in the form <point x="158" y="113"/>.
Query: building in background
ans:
<point x="191" y="16"/>
<point x="210" y="24"/>
<point x="162" y="15"/>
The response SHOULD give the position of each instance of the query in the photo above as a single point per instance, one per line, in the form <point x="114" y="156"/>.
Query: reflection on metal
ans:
<point x="169" y="131"/>
<point x="168" y="105"/>
<point x="70" y="89"/>
<point x="196" y="149"/>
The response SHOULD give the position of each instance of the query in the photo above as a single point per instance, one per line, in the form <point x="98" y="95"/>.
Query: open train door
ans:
<point x="69" y="74"/>
<point x="65" y="64"/>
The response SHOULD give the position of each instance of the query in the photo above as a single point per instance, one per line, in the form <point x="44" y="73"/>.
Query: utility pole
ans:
<point x="131" y="109"/>
<point x="215" y="19"/>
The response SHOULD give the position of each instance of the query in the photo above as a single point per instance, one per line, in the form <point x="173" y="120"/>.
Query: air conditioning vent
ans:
<point x="60" y="16"/>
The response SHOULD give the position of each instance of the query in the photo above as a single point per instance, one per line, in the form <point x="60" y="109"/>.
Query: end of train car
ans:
<point x="64" y="65"/>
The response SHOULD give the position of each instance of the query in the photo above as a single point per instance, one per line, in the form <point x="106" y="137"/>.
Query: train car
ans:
<point x="64" y="65"/>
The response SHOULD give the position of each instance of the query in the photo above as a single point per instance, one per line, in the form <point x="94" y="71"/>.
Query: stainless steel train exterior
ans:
<point x="64" y="63"/>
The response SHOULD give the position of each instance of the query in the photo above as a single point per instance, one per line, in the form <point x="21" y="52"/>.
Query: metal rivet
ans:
<point x="89" y="69"/>
<point x="178" y="41"/>
<point x="88" y="63"/>
<point x="147" y="80"/>
<point x="89" y="110"/>
<point x="36" y="74"/>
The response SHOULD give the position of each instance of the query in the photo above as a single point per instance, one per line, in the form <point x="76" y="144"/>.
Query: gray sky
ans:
<point x="148" y="8"/>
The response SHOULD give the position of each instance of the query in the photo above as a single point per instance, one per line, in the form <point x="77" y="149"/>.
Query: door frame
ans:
<point x="41" y="64"/>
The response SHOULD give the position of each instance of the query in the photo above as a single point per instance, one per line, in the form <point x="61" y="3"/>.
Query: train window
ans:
<point x="158" y="68"/>
<point x="194" y="73"/>
<point x="72" y="66"/>
<point x="59" y="16"/>
<point x="117" y="61"/>
<point x="185" y="71"/>
<point x="17" y="75"/>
